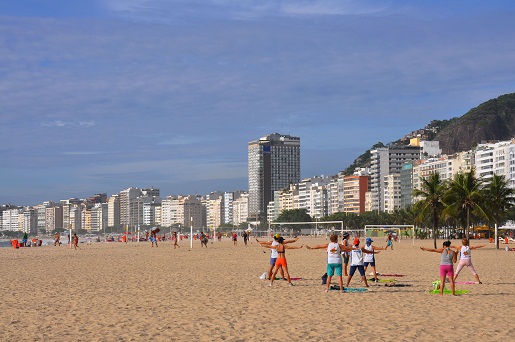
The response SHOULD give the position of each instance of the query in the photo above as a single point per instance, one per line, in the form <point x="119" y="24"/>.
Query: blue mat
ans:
<point x="349" y="289"/>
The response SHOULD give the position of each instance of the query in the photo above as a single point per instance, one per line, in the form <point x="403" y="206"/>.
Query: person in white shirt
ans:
<point x="369" y="259"/>
<point x="465" y="258"/>
<point x="356" y="261"/>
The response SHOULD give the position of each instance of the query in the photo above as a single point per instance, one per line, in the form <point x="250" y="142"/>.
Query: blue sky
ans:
<point x="98" y="96"/>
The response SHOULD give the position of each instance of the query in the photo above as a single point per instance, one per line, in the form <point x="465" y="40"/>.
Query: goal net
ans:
<point x="397" y="231"/>
<point x="317" y="228"/>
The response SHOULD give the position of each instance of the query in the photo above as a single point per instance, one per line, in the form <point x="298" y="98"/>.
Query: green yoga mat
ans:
<point x="446" y="291"/>
<point x="349" y="289"/>
<point x="382" y="280"/>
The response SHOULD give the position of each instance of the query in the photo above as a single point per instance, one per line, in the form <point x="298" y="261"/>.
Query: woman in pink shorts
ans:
<point x="447" y="261"/>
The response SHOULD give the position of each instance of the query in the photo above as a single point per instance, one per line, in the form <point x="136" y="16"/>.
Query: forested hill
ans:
<point x="493" y="120"/>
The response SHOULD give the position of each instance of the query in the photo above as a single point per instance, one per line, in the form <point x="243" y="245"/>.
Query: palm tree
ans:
<point x="499" y="199"/>
<point x="431" y="202"/>
<point x="465" y="196"/>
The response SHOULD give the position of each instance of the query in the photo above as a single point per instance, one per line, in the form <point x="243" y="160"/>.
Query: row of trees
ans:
<point x="455" y="203"/>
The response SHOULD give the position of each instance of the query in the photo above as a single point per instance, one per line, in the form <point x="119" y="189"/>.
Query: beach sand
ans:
<point x="119" y="292"/>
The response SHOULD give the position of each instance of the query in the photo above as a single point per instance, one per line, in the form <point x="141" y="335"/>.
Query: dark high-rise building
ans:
<point x="274" y="164"/>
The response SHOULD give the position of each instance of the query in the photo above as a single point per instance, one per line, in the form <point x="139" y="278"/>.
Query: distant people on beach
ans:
<point x="203" y="240"/>
<point x="281" y="259"/>
<point x="389" y="241"/>
<point x="25" y="239"/>
<point x="465" y="259"/>
<point x="235" y="238"/>
<point x="245" y="237"/>
<point x="76" y="241"/>
<point x="175" y="240"/>
<point x="146" y="235"/>
<point x="447" y="260"/>
<point x="57" y="239"/>
<point x="153" y="238"/>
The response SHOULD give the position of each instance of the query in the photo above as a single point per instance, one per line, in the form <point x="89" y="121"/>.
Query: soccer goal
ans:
<point x="316" y="228"/>
<point x="383" y="230"/>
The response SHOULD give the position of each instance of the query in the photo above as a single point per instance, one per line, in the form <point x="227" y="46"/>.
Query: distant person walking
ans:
<point x="175" y="240"/>
<point x="57" y="239"/>
<point x="389" y="241"/>
<point x="76" y="241"/>
<point x="245" y="237"/>
<point x="235" y="239"/>
<point x="153" y="238"/>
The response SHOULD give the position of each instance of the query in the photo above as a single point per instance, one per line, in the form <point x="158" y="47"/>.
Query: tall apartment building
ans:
<point x="392" y="192"/>
<point x="214" y="209"/>
<point x="386" y="161"/>
<point x="334" y="195"/>
<point x="99" y="217"/>
<point x="240" y="208"/>
<point x="67" y="206"/>
<point x="354" y="189"/>
<point x="10" y="219"/>
<point x="113" y="211"/>
<point x="53" y="218"/>
<point x="130" y="207"/>
<point x="191" y="210"/>
<point x="273" y="164"/>
<point x="30" y="220"/>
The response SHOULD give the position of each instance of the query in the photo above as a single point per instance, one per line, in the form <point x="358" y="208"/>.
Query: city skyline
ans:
<point x="98" y="96"/>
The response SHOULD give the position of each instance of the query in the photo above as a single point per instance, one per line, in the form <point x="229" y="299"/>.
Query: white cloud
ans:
<point x="60" y="123"/>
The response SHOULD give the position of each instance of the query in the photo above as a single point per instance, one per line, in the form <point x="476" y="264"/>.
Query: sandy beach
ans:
<point x="119" y="292"/>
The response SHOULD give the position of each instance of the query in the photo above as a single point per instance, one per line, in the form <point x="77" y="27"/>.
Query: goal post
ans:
<point x="315" y="224"/>
<point x="374" y="230"/>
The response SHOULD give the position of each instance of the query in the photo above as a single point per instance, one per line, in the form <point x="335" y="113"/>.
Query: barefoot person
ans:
<point x="369" y="259"/>
<point x="389" y="241"/>
<point x="334" y="260"/>
<point x="447" y="261"/>
<point x="175" y="240"/>
<point x="345" y="255"/>
<point x="273" y="254"/>
<point x="281" y="259"/>
<point x="76" y="241"/>
<point x="465" y="258"/>
<point x="356" y="261"/>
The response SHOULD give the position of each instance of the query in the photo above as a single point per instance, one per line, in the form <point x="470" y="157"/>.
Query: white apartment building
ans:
<point x="386" y="161"/>
<point x="53" y="218"/>
<point x="240" y="209"/>
<point x="11" y="220"/>
<point x="312" y="194"/>
<point x="113" y="211"/>
<point x="334" y="194"/>
<point x="214" y="209"/>
<point x="392" y="192"/>
<point x="496" y="158"/>
<point x="169" y="211"/>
